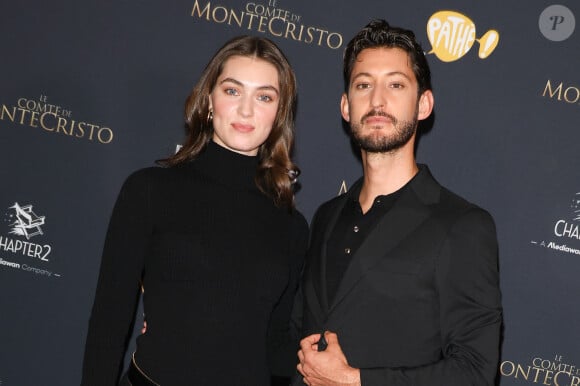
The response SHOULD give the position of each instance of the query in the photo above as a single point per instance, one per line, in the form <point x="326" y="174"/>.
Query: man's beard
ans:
<point x="376" y="142"/>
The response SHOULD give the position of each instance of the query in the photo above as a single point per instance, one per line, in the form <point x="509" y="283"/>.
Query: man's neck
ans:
<point x="385" y="173"/>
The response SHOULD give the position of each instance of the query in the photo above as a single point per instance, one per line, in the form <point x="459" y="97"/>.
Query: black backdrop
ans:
<point x="90" y="91"/>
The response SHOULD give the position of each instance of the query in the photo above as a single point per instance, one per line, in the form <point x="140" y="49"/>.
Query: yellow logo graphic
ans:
<point x="452" y="35"/>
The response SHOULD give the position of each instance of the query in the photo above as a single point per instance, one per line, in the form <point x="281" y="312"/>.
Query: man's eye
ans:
<point x="362" y="86"/>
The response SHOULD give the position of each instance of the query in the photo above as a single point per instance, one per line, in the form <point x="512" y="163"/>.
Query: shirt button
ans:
<point x="355" y="229"/>
<point x="347" y="251"/>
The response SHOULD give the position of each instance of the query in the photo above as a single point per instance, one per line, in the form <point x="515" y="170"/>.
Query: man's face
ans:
<point x="382" y="105"/>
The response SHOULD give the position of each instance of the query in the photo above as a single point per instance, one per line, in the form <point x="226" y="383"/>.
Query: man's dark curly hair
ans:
<point x="378" y="33"/>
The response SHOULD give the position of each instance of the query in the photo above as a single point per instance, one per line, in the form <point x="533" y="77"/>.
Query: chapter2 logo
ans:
<point x="452" y="35"/>
<point x="26" y="222"/>
<point x="567" y="231"/>
<point x="570" y="229"/>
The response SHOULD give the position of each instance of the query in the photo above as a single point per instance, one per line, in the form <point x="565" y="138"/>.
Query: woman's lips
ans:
<point x="244" y="128"/>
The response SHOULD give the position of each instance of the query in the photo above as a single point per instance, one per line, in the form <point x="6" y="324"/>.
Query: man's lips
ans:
<point x="377" y="119"/>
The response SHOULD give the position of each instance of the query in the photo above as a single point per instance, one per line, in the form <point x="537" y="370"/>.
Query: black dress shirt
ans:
<point x="351" y="229"/>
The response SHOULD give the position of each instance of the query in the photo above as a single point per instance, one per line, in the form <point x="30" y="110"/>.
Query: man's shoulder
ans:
<point x="447" y="201"/>
<point x="455" y="208"/>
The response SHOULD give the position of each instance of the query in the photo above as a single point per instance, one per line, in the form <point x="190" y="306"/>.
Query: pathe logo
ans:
<point x="566" y="230"/>
<point x="20" y="253"/>
<point x="452" y="35"/>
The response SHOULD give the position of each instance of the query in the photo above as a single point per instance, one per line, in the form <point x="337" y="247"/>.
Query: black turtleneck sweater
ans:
<point x="219" y="264"/>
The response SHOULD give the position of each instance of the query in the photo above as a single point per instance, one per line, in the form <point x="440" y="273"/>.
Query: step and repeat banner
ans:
<point x="91" y="91"/>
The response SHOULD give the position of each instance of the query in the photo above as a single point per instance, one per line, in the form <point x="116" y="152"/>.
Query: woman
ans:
<point x="213" y="238"/>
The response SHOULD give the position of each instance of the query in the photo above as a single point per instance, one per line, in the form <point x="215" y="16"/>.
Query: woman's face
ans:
<point x="244" y="101"/>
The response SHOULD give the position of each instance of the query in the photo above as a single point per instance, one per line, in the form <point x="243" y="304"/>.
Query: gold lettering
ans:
<point x="213" y="14"/>
<point x="199" y="12"/>
<point x="235" y="17"/>
<point x="23" y="111"/>
<point x="552" y="93"/>
<point x="262" y="24"/>
<point x="310" y="37"/>
<point x="272" y="29"/>
<point x="43" y="125"/>
<point x="328" y="42"/>
<point x="264" y="19"/>
<point x="322" y="32"/>
<point x="60" y="125"/>
<point x="548" y="377"/>
<point x="577" y="95"/>
<point x="81" y="129"/>
<point x="7" y="112"/>
<point x="343" y="189"/>
<point x="520" y="371"/>
<point x="34" y="119"/>
<point x="109" y="133"/>
<point x="538" y="370"/>
<point x="556" y="378"/>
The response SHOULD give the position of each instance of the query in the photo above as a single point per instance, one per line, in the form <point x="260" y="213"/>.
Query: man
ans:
<point x="402" y="275"/>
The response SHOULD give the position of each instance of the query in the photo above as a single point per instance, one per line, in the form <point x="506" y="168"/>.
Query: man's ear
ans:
<point x="344" y="110"/>
<point x="426" y="103"/>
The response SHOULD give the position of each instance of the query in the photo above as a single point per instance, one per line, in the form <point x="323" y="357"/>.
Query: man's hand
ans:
<point x="328" y="367"/>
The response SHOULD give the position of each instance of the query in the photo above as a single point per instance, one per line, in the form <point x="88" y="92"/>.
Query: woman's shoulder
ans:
<point x="299" y="219"/>
<point x="153" y="174"/>
<point x="299" y="223"/>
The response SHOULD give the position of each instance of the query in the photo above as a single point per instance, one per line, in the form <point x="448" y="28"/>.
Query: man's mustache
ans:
<point x="378" y="113"/>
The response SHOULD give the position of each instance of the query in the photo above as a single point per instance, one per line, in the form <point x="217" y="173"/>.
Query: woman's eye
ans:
<point x="231" y="91"/>
<point x="265" y="98"/>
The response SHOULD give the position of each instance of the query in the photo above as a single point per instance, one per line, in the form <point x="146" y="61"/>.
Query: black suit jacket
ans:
<point x="420" y="302"/>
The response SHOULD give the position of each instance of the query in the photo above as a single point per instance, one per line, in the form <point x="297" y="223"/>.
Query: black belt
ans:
<point x="137" y="377"/>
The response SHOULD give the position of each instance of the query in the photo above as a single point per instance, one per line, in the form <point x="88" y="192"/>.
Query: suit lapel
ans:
<point x="315" y="281"/>
<point x="410" y="210"/>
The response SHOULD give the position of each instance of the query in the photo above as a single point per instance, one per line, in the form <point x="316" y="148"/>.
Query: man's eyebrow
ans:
<point x="392" y="73"/>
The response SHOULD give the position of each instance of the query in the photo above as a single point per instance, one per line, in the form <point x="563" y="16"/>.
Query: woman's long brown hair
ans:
<point x="276" y="172"/>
